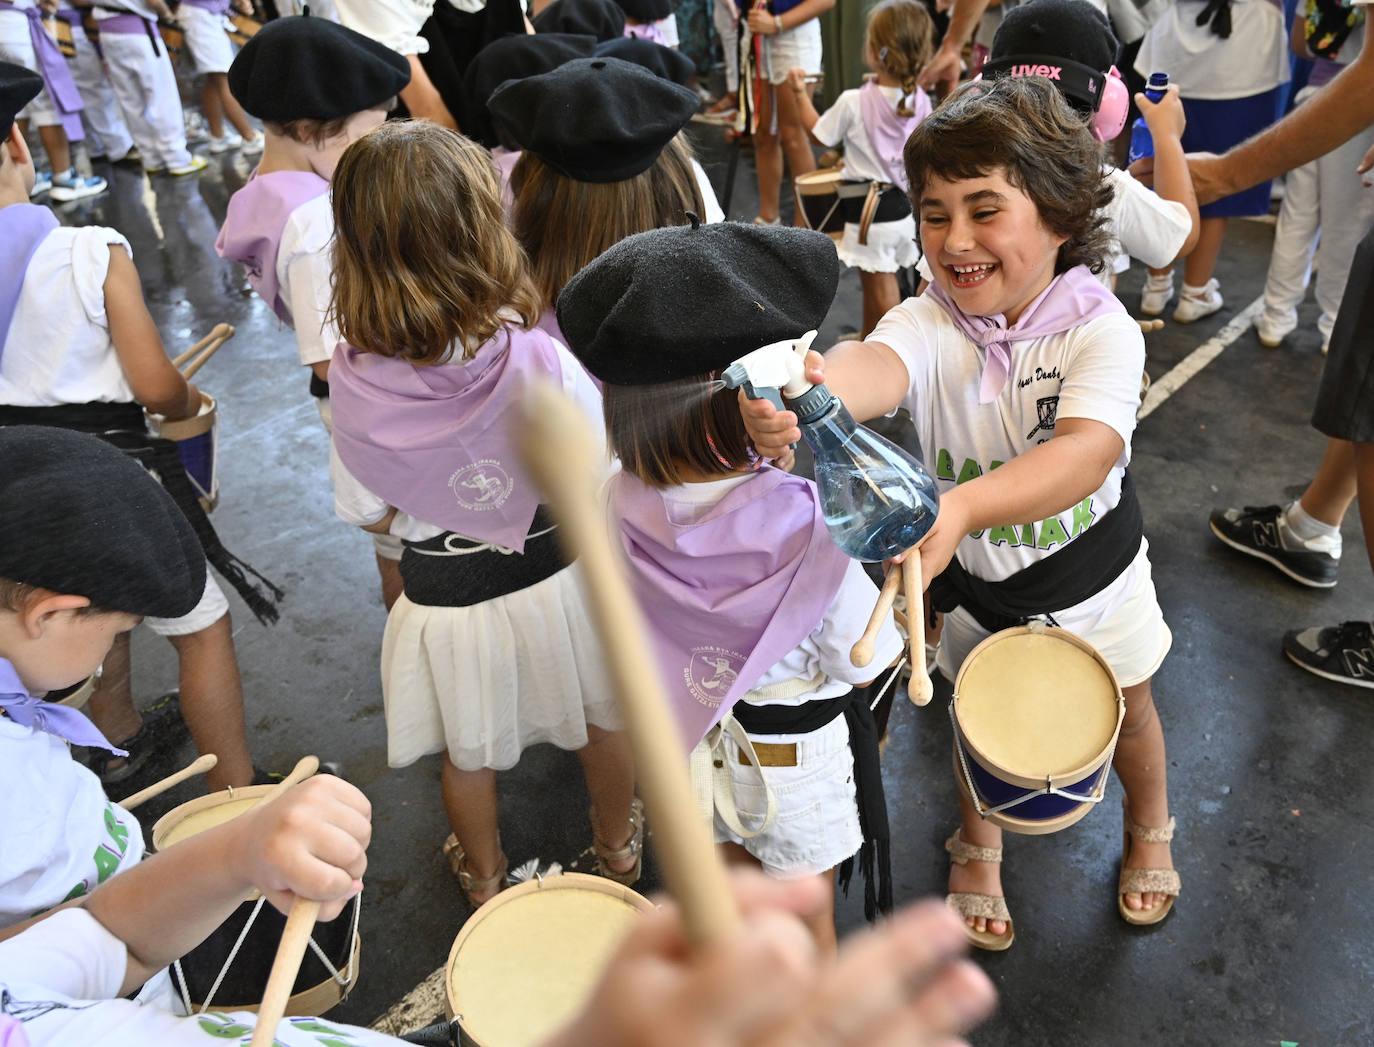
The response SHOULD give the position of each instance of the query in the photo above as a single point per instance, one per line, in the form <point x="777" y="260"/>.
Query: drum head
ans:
<point x="1036" y="703"/>
<point x="527" y="960"/>
<point x="205" y="812"/>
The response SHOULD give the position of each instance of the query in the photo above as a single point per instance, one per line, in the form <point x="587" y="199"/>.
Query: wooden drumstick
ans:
<point x="1150" y="326"/>
<point x="557" y="446"/>
<point x="221" y="336"/>
<point x="200" y="766"/>
<point x="919" y="690"/>
<point x="862" y="651"/>
<point x="215" y="332"/>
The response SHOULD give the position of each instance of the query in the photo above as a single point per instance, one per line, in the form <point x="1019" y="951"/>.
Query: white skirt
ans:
<point x="891" y="246"/>
<point x="487" y="681"/>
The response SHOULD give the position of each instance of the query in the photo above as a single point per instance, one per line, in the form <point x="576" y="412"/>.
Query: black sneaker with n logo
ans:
<point x="1259" y="531"/>
<point x="1344" y="653"/>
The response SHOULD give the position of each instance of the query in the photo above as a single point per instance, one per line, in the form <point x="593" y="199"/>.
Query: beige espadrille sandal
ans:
<point x="986" y="906"/>
<point x="633" y="849"/>
<point x="1145" y="881"/>
<point x="485" y="889"/>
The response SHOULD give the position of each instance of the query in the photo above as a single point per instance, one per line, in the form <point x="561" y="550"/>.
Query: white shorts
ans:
<point x="817" y="823"/>
<point x="891" y="246"/>
<point x="212" y="607"/>
<point x="1132" y="635"/>
<point x="17" y="46"/>
<point x="388" y="546"/>
<point x="210" y="46"/>
<point x="798" y="48"/>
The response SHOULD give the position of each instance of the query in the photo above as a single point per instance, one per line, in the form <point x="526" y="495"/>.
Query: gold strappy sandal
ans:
<point x="458" y="864"/>
<point x="633" y="849"/>
<point x="1145" y="881"/>
<point x="986" y="906"/>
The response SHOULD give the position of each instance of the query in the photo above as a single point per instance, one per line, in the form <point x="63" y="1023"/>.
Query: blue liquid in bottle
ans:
<point x="877" y="499"/>
<point x="1142" y="142"/>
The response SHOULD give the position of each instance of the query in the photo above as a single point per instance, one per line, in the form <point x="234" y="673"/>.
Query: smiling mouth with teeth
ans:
<point x="971" y="275"/>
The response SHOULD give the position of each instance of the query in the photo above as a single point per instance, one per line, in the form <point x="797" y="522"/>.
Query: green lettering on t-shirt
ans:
<point x="971" y="471"/>
<point x="1004" y="535"/>
<point x="106" y="862"/>
<point x="944" y="465"/>
<point x="1028" y="535"/>
<point x="1083" y="516"/>
<point x="119" y="832"/>
<point x="1052" y="533"/>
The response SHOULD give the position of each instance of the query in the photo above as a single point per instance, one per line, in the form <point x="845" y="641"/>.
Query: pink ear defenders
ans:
<point x="1105" y="95"/>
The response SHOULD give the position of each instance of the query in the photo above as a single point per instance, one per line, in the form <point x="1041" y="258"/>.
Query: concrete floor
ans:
<point x="1268" y="765"/>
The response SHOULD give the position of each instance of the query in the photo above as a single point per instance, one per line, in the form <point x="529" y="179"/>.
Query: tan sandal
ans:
<point x="633" y="849"/>
<point x="458" y="865"/>
<point x="1145" y="881"/>
<point x="985" y="906"/>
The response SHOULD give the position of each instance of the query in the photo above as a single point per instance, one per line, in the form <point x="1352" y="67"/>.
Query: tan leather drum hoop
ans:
<point x="187" y="428"/>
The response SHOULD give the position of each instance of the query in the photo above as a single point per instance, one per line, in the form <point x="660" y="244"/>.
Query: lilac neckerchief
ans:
<point x="57" y="78"/>
<point x="214" y="7"/>
<point x="650" y="31"/>
<point x="254" y="222"/>
<point x="548" y="323"/>
<point x="28" y="711"/>
<point x="437" y="442"/>
<point x="1072" y="298"/>
<point x="887" y="131"/>
<point x="506" y="159"/>
<point x="727" y="597"/>
<point x="12" y="1032"/>
<point x="23" y="227"/>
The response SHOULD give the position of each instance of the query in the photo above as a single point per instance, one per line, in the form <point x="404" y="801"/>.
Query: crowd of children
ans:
<point x="541" y="217"/>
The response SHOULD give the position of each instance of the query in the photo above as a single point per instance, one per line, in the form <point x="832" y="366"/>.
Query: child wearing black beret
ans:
<point x="489" y="649"/>
<point x="602" y="19"/>
<point x="316" y="86"/>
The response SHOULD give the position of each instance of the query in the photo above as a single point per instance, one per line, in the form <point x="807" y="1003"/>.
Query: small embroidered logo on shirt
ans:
<point x="711" y="673"/>
<point x="481" y="486"/>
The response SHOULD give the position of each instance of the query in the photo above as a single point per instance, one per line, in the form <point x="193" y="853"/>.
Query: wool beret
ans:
<point x="646" y="10"/>
<point x="1074" y="30"/>
<point x="602" y="19"/>
<point x="594" y="119"/>
<point x="78" y="516"/>
<point x="688" y="300"/>
<point x="664" y="62"/>
<point x="304" y="68"/>
<point x="18" y="87"/>
<point x="514" y="58"/>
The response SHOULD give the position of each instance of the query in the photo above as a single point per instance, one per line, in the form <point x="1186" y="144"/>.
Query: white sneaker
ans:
<point x="253" y="146"/>
<point x="71" y="186"/>
<point x="1155" y="295"/>
<point x="223" y="144"/>
<point x="42" y="182"/>
<point x="196" y="131"/>
<point x="197" y="163"/>
<point x="1193" y="306"/>
<point x="1271" y="332"/>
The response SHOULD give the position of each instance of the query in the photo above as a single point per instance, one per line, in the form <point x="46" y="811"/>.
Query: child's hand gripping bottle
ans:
<point x="1142" y="142"/>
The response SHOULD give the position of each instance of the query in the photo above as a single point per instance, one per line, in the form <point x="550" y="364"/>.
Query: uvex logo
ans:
<point x="1050" y="72"/>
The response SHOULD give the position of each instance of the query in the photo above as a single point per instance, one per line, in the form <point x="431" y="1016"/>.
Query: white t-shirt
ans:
<point x="1253" y="59"/>
<point x="59" y="979"/>
<point x="61" y="836"/>
<point x="1092" y="371"/>
<point x="395" y="23"/>
<point x="58" y="350"/>
<point x="305" y="262"/>
<point x="844" y="122"/>
<point x="1143" y="224"/>
<point x="826" y="649"/>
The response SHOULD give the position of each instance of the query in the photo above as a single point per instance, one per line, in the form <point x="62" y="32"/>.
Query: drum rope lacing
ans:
<point x="342" y="978"/>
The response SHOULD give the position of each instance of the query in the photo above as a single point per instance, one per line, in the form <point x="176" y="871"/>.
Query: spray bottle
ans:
<point x="878" y="501"/>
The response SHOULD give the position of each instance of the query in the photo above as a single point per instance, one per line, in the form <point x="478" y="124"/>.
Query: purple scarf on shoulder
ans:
<point x="66" y="723"/>
<point x="1072" y="299"/>
<point x="57" y="78"/>
<point x="253" y="224"/>
<point x="729" y="596"/>
<point x="23" y="228"/>
<point x="888" y="131"/>
<point x="437" y="442"/>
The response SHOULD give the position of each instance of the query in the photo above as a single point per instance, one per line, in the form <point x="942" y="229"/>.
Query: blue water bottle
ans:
<point x="1142" y="143"/>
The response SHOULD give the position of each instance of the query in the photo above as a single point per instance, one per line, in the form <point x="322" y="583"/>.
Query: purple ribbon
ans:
<point x="215" y="7"/>
<point x="56" y="76"/>
<point x="28" y="711"/>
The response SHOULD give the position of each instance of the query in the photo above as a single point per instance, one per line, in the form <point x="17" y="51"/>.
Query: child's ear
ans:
<point x="15" y="148"/>
<point x="41" y="607"/>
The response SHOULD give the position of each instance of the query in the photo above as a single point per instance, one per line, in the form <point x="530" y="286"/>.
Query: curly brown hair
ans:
<point x="423" y="260"/>
<point x="1023" y="127"/>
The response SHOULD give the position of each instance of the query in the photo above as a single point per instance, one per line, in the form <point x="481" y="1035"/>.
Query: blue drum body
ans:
<point x="197" y="441"/>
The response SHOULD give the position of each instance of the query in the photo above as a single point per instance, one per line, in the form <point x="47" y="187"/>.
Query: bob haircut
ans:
<point x="663" y="433"/>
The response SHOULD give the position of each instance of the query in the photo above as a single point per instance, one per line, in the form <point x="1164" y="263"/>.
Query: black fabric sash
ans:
<point x="1079" y="570"/>
<point x="875" y="856"/>
<point x="438" y="572"/>
<point x="893" y="205"/>
<point x="319" y="388"/>
<point x="124" y="426"/>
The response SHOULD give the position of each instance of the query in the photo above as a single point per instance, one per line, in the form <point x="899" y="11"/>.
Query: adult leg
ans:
<point x="212" y="701"/>
<point x="796" y="146"/>
<point x="1142" y="765"/>
<point x="473" y="815"/>
<point x="767" y="156"/>
<point x="101" y="113"/>
<point x="608" y="765"/>
<point x="1348" y="209"/>
<point x="1290" y="263"/>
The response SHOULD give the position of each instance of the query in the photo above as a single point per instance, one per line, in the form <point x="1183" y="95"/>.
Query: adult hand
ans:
<point x="942" y="71"/>
<point x="1212" y="177"/>
<point x="1165" y="118"/>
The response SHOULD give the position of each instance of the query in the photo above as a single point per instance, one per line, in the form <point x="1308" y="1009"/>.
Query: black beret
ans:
<point x="602" y="19"/>
<point x="594" y="119"/>
<point x="646" y="10"/>
<point x="688" y="300"/>
<point x="664" y="62"/>
<point x="303" y="68"/>
<point x="1074" y="30"/>
<point x="18" y="87"/>
<point x="514" y="58"/>
<point x="79" y="517"/>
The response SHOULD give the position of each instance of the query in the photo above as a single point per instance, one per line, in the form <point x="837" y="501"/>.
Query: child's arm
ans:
<point x="1172" y="180"/>
<point x="156" y="383"/>
<point x="806" y="108"/>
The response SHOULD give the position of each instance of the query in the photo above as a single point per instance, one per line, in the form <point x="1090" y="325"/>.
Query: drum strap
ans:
<point x="124" y="426"/>
<point x="1078" y="571"/>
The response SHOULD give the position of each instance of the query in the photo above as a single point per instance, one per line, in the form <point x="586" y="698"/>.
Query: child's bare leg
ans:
<point x="212" y="105"/>
<point x="470" y="802"/>
<point x="1332" y="490"/>
<point x="392" y="585"/>
<point x="609" y="767"/>
<point x="767" y="157"/>
<point x="1199" y="266"/>
<point x="1142" y="765"/>
<point x="232" y="109"/>
<point x="57" y="147"/>
<point x="212" y="702"/>
<point x="112" y="702"/>
<point x="881" y="295"/>
<point x="976" y="877"/>
<point x="795" y="143"/>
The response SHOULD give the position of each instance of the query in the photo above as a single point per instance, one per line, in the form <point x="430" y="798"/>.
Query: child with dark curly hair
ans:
<point x="1021" y="373"/>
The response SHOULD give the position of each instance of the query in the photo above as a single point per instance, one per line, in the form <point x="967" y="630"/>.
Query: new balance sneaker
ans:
<point x="1155" y="295"/>
<point x="71" y="186"/>
<point x="42" y="182"/>
<point x="1259" y="531"/>
<point x="225" y="142"/>
<point x="1195" y="303"/>
<point x="197" y="163"/>
<point x="1344" y="653"/>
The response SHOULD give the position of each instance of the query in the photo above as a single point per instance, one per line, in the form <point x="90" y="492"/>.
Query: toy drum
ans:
<point x="61" y="32"/>
<point x="1036" y="714"/>
<point x="818" y="201"/>
<point x="526" y="961"/>
<point x="173" y="36"/>
<point x="197" y="441"/>
<point x="241" y="28"/>
<point x="228" y="971"/>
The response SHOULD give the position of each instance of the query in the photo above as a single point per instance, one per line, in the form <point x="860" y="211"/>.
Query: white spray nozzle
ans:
<point x="780" y="367"/>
